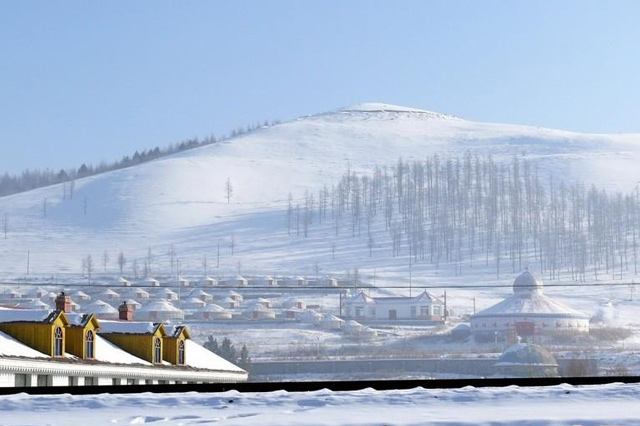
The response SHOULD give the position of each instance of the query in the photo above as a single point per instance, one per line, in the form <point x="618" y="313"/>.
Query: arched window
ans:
<point x="181" y="352"/>
<point x="89" y="345"/>
<point x="57" y="341"/>
<point x="157" y="353"/>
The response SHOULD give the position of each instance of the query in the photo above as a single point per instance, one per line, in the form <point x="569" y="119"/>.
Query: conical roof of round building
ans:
<point x="526" y="354"/>
<point x="526" y="283"/>
<point x="534" y="305"/>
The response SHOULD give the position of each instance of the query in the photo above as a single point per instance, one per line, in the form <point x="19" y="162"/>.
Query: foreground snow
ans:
<point x="559" y="405"/>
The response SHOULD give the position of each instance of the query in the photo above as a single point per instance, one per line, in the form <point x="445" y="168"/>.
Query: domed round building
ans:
<point x="527" y="313"/>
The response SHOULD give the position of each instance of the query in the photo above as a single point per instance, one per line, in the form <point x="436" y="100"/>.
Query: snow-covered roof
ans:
<point x="27" y="315"/>
<point x="109" y="292"/>
<point x="100" y="307"/>
<point x="332" y="318"/>
<point x="198" y="292"/>
<point x="133" y="303"/>
<point x="106" y="351"/>
<point x="10" y="347"/>
<point x="128" y="327"/>
<point x="229" y="300"/>
<point x="33" y="304"/>
<point x="81" y="294"/>
<point x="527" y="283"/>
<point x="257" y="307"/>
<point x="159" y="305"/>
<point x="536" y="304"/>
<point x="212" y="308"/>
<point x="197" y="356"/>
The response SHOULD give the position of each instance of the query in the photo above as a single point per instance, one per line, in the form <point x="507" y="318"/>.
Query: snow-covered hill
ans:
<point x="181" y="199"/>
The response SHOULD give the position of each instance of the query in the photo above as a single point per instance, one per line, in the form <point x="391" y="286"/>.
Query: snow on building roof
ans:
<point x="109" y="292"/>
<point x="198" y="292"/>
<point x="527" y="283"/>
<point x="100" y="307"/>
<point x="233" y="293"/>
<point x="257" y="307"/>
<point x="332" y="318"/>
<point x="212" y="308"/>
<point x="38" y="290"/>
<point x="106" y="351"/>
<point x="197" y="356"/>
<point x="78" y="319"/>
<point x="27" y="315"/>
<point x="535" y="305"/>
<point x="422" y="297"/>
<point x="128" y="327"/>
<point x="133" y="303"/>
<point x="81" y="294"/>
<point x="159" y="305"/>
<point x="10" y="347"/>
<point x="33" y="304"/>
<point x="228" y="300"/>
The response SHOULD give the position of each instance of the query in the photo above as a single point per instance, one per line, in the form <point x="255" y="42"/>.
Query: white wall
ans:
<point x="7" y="380"/>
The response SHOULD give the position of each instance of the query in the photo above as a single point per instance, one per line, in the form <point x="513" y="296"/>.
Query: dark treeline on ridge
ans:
<point x="34" y="178"/>
<point x="472" y="210"/>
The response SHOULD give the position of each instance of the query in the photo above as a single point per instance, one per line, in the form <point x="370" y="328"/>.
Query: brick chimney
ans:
<point x="126" y="312"/>
<point x="63" y="303"/>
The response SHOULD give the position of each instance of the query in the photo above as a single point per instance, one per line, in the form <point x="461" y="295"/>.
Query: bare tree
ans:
<point x="232" y="244"/>
<point x="204" y="265"/>
<point x="122" y="262"/>
<point x="149" y="260"/>
<point x="134" y="268"/>
<point x="5" y="226"/>
<point x="172" y="256"/>
<point x="228" y="189"/>
<point x="44" y="207"/>
<point x="105" y="260"/>
<point x="89" y="266"/>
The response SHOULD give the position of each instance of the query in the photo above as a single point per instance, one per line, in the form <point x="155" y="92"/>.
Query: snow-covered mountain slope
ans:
<point x="181" y="199"/>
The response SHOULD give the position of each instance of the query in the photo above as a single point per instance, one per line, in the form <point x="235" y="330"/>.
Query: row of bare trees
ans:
<point x="470" y="209"/>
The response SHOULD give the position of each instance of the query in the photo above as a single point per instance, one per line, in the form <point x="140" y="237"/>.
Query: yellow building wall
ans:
<point x="170" y="347"/>
<point x="136" y="344"/>
<point x="76" y="338"/>
<point x="35" y="335"/>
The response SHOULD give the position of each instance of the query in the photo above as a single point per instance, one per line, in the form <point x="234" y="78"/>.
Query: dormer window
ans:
<point x="89" y="345"/>
<point x="157" y="353"/>
<point x="58" y="338"/>
<point x="181" y="352"/>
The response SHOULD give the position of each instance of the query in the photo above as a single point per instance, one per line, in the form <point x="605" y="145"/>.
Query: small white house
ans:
<point x="421" y="307"/>
<point x="135" y="305"/>
<point x="270" y="281"/>
<point x="234" y="295"/>
<point x="294" y="302"/>
<point x="299" y="281"/>
<point x="260" y="300"/>
<point x="168" y="294"/>
<point x="38" y="293"/>
<point x="183" y="282"/>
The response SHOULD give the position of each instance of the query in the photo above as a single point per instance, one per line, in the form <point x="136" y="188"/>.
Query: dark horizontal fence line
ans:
<point x="312" y="287"/>
<point x="337" y="386"/>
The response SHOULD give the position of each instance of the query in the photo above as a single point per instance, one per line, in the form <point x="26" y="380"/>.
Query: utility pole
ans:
<point x="474" y="306"/>
<point x="28" y="261"/>
<point x="218" y="256"/>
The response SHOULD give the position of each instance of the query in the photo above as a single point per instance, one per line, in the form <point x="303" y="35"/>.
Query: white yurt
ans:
<point x="167" y="293"/>
<point x="108" y="294"/>
<point x="526" y="313"/>
<point x="229" y="303"/>
<point x="80" y="296"/>
<point x="102" y="310"/>
<point x="139" y="294"/>
<point x="75" y="307"/>
<point x="124" y="282"/>
<point x="234" y="295"/>
<point x="11" y="294"/>
<point x="270" y="281"/>
<point x="259" y="300"/>
<point x="353" y="328"/>
<point x="33" y="304"/>
<point x="258" y="312"/>
<point x="209" y="282"/>
<point x="152" y="282"/>
<point x="331" y="322"/>
<point x="192" y="303"/>
<point x="183" y="282"/>
<point x="159" y="310"/>
<point x="310" y="317"/>
<point x="38" y="293"/>
<point x="294" y="302"/>
<point x="201" y="294"/>
<point x="212" y="312"/>
<point x="136" y="305"/>
<point x="49" y="298"/>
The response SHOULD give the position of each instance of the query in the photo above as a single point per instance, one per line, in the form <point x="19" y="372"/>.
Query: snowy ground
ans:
<point x="614" y="404"/>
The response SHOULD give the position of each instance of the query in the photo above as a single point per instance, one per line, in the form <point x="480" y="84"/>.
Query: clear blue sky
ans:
<point x="90" y="80"/>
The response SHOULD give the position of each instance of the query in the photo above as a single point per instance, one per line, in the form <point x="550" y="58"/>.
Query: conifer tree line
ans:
<point x="36" y="178"/>
<point x="471" y="210"/>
